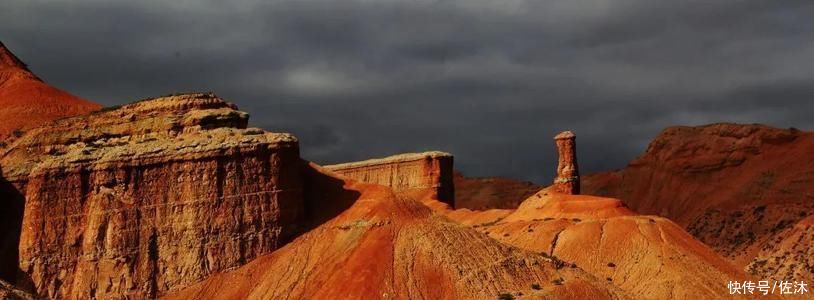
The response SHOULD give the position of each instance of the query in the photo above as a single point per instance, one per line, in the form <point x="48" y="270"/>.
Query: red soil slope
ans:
<point x="646" y="256"/>
<point x="27" y="102"/>
<point x="737" y="188"/>
<point x="789" y="254"/>
<point x="385" y="246"/>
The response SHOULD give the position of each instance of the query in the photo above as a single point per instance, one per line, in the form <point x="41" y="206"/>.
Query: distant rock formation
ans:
<point x="428" y="174"/>
<point x="482" y="193"/>
<point x="150" y="197"/>
<point x="735" y="187"/>
<point x="567" y="180"/>
<point x="27" y="102"/>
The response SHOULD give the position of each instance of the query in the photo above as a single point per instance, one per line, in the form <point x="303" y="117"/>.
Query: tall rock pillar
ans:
<point x="567" y="181"/>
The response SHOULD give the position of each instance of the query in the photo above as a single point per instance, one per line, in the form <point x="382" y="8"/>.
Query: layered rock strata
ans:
<point x="150" y="197"/>
<point x="428" y="174"/>
<point x="567" y="180"/>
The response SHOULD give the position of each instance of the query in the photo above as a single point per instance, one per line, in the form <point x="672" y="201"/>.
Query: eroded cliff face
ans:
<point x="421" y="175"/>
<point x="150" y="197"/>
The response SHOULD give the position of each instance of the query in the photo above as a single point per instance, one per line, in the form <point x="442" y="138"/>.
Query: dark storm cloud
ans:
<point x="490" y="81"/>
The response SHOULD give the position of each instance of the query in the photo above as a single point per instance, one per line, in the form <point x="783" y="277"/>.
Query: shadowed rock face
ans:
<point x="428" y="174"/>
<point x="11" y="217"/>
<point x="8" y="291"/>
<point x="567" y="180"/>
<point x="150" y="197"/>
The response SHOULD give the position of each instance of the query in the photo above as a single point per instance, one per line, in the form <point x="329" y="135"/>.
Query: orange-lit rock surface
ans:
<point x="150" y="197"/>
<point x="26" y="101"/>
<point x="737" y="188"/>
<point x="389" y="246"/>
<point x="648" y="257"/>
<point x="567" y="180"/>
<point x="428" y="174"/>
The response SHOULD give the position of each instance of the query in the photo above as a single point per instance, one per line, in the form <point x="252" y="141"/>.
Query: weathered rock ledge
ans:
<point x="427" y="174"/>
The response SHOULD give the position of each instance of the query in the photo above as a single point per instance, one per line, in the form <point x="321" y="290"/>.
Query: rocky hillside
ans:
<point x="738" y="188"/>
<point x="648" y="257"/>
<point x="27" y="102"/>
<point x="388" y="246"/>
<point x="147" y="198"/>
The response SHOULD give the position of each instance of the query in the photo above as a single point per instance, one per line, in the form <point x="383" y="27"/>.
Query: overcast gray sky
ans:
<point x="491" y="81"/>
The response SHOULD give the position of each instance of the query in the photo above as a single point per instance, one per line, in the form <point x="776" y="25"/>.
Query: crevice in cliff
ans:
<point x="152" y="252"/>
<point x="554" y="242"/>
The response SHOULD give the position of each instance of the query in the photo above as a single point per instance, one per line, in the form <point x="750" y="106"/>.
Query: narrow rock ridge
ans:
<point x="150" y="197"/>
<point x="420" y="174"/>
<point x="26" y="101"/>
<point x="567" y="180"/>
<point x="9" y="60"/>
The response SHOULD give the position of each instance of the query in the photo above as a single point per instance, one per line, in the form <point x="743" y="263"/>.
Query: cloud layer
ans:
<point x="490" y="81"/>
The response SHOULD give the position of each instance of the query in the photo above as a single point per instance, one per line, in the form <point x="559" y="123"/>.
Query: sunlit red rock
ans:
<point x="567" y="180"/>
<point x="27" y="102"/>
<point x="150" y="197"/>
<point x="427" y="174"/>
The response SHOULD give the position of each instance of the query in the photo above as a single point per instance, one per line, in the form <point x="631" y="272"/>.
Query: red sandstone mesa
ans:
<point x="148" y="198"/>
<point x="428" y="174"/>
<point x="26" y="101"/>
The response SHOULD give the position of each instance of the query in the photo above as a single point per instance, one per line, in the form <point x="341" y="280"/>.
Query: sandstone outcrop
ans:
<point x="421" y="175"/>
<point x="735" y="187"/>
<point x="567" y="180"/>
<point x="27" y="102"/>
<point x="389" y="246"/>
<point x="136" y="201"/>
